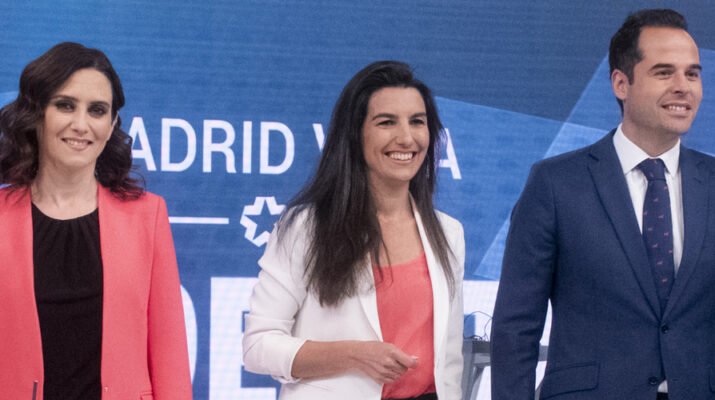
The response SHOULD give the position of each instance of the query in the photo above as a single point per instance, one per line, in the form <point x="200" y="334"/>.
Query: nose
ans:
<point x="80" y="123"/>
<point x="404" y="134"/>
<point x="681" y="84"/>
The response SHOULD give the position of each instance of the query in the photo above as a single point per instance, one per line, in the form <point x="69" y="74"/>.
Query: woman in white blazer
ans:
<point x="360" y="292"/>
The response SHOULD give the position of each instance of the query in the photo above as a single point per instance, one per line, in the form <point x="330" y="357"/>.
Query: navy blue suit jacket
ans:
<point x="574" y="240"/>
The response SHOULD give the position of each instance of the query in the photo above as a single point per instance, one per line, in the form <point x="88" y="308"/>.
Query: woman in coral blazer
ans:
<point x="91" y="301"/>
<point x="359" y="295"/>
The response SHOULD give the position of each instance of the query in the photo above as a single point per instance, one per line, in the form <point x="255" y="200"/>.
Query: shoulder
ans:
<point x="285" y="252"/>
<point x="291" y="234"/>
<point x="572" y="171"/>
<point x="449" y="223"/>
<point x="8" y="195"/>
<point x="573" y="161"/>
<point x="697" y="165"/>
<point x="13" y="198"/>
<point x="699" y="158"/>
<point x="146" y="210"/>
<point x="453" y="231"/>
<point x="564" y="162"/>
<point x="146" y="201"/>
<point x="295" y="221"/>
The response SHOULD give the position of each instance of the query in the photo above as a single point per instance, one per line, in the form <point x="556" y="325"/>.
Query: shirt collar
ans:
<point x="630" y="155"/>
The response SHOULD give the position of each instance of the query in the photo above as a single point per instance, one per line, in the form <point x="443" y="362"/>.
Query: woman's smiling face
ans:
<point x="77" y="123"/>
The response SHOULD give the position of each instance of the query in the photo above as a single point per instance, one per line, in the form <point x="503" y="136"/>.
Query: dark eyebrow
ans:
<point x="63" y="97"/>
<point x="388" y="115"/>
<point x="664" y="66"/>
<point x="384" y="115"/>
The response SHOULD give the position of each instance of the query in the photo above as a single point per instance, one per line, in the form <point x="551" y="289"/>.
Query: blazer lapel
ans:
<point x="613" y="190"/>
<point x="110" y="229"/>
<point x="17" y="254"/>
<point x="440" y="289"/>
<point x="695" y="208"/>
<point x="368" y="301"/>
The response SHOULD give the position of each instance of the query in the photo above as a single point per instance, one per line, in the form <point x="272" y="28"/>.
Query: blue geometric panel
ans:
<point x="595" y="114"/>
<point x="494" y="149"/>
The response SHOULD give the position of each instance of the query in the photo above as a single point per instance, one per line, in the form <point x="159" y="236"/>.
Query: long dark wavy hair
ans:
<point x="342" y="221"/>
<point x="40" y="80"/>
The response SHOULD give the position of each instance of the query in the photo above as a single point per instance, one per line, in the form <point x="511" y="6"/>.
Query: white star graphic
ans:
<point x="256" y="209"/>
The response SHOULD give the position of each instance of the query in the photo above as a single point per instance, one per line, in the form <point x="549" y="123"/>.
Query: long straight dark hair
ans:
<point x="342" y="218"/>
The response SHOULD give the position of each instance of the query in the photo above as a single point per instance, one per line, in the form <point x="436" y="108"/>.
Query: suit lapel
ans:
<point x="695" y="207"/>
<point x="613" y="191"/>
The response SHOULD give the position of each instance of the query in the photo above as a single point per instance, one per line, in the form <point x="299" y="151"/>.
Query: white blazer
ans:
<point x="284" y="314"/>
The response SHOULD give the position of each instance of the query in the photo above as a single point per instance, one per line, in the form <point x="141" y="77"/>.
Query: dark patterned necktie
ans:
<point x="658" y="227"/>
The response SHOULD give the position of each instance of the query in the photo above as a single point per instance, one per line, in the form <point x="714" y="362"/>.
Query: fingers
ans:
<point x="384" y="371"/>
<point x="386" y="363"/>
<point x="387" y="376"/>
<point x="394" y="366"/>
<point x="405" y="360"/>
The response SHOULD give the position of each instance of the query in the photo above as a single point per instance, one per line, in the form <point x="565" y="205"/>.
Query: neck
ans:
<point x="392" y="203"/>
<point x="64" y="196"/>
<point x="653" y="145"/>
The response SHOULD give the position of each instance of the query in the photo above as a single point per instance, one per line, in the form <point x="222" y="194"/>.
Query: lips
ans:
<point x="677" y="107"/>
<point x="77" y="144"/>
<point x="400" y="156"/>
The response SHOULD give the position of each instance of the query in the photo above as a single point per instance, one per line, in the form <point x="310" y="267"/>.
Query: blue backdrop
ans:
<point x="228" y="101"/>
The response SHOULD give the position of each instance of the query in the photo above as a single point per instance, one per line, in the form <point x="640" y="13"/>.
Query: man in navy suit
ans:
<point x="620" y="238"/>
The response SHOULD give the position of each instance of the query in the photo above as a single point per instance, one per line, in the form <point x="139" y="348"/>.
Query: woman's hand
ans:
<point x="381" y="361"/>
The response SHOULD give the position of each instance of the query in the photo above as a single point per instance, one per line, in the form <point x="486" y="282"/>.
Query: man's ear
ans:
<point x="619" y="84"/>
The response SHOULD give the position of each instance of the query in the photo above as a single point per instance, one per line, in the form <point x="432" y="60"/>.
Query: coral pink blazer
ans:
<point x="144" y="351"/>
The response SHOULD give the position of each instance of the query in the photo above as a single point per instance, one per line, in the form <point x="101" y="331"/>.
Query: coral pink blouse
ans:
<point x="405" y="308"/>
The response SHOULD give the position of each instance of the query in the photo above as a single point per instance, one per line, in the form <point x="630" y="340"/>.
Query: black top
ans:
<point x="68" y="292"/>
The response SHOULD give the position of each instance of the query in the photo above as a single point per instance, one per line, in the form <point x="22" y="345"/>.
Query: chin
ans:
<point x="679" y="130"/>
<point x="675" y="128"/>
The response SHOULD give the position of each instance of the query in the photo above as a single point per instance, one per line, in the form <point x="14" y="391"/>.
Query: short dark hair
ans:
<point x="40" y="80"/>
<point x="624" y="52"/>
<point x="343" y="221"/>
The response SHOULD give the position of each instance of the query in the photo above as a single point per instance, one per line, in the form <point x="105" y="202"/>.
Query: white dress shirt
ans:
<point x="630" y="155"/>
